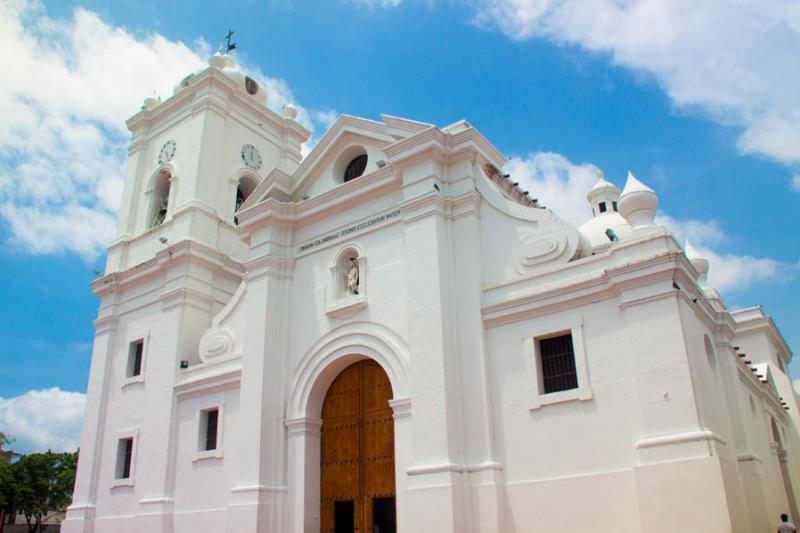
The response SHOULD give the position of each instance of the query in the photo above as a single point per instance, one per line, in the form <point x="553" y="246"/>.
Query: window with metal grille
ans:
<point x="355" y="168"/>
<point x="557" y="358"/>
<point x="135" y="352"/>
<point x="211" y="422"/>
<point x="124" y="458"/>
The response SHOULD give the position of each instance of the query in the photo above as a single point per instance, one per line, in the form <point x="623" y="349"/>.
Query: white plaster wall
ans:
<point x="204" y="484"/>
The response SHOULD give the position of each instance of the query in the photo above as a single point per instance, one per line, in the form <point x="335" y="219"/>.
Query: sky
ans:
<point x="699" y="99"/>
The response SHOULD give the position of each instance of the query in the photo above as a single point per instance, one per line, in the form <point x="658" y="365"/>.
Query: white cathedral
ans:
<point x="389" y="335"/>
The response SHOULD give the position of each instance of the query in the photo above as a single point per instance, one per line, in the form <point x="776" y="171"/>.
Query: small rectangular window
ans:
<point x="602" y="207"/>
<point x="135" y="354"/>
<point x="615" y="206"/>
<point x="557" y="360"/>
<point x="124" y="458"/>
<point x="210" y="423"/>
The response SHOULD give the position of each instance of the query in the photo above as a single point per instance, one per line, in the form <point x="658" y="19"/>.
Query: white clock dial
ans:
<point x="167" y="152"/>
<point x="251" y="157"/>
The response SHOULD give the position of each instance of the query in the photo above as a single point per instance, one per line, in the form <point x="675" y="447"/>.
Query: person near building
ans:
<point x="785" y="526"/>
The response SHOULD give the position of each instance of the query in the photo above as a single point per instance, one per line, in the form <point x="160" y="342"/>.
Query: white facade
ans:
<point x="676" y="422"/>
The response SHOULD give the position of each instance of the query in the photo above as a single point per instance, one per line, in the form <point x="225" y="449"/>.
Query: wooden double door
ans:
<point x="357" y="478"/>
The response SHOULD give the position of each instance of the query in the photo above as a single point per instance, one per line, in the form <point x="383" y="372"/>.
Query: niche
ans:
<point x="348" y="284"/>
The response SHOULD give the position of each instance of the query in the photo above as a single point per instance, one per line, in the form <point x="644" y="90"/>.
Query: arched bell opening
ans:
<point x="244" y="189"/>
<point x="159" y="199"/>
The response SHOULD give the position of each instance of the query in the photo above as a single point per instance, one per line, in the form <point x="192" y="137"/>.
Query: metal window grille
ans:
<point x="212" y="418"/>
<point x="558" y="364"/>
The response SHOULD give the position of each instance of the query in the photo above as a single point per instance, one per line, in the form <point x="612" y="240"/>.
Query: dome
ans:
<point x="602" y="189"/>
<point x="595" y="228"/>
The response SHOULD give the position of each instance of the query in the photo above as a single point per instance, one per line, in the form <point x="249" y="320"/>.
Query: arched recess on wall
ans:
<point x="159" y="194"/>
<point x="245" y="185"/>
<point x="349" y="272"/>
<point x="337" y="350"/>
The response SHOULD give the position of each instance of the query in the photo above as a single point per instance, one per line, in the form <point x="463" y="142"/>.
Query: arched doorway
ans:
<point x="357" y="474"/>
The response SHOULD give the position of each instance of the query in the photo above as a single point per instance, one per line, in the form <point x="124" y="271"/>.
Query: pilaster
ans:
<point x="434" y="494"/>
<point x="81" y="513"/>
<point x="259" y="496"/>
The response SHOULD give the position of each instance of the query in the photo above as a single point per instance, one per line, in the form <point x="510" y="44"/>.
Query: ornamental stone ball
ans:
<point x="289" y="112"/>
<point x="638" y="203"/>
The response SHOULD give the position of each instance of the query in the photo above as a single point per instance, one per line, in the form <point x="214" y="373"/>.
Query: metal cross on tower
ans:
<point x="225" y="44"/>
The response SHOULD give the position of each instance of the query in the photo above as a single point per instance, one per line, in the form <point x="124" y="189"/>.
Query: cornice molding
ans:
<point x="269" y="265"/>
<point x="303" y="426"/>
<point x="228" y="379"/>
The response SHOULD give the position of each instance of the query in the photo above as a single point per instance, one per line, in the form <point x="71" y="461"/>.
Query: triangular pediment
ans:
<point x="348" y="138"/>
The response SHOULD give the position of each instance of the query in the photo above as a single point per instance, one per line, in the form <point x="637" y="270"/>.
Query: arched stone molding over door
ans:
<point x="323" y="362"/>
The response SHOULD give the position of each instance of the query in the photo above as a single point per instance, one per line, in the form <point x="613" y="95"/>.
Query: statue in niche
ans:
<point x="351" y="276"/>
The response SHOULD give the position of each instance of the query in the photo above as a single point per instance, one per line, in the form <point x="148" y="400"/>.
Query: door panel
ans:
<point x="357" y="456"/>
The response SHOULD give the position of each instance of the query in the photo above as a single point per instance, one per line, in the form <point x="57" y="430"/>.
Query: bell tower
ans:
<point x="174" y="264"/>
<point x="195" y="157"/>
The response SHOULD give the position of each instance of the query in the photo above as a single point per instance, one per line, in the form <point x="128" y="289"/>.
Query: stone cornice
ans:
<point x="185" y="296"/>
<point x="223" y="380"/>
<point x="429" y="203"/>
<point x="754" y="320"/>
<point x="611" y="282"/>
<point x="184" y="250"/>
<point x="326" y="204"/>
<point x="268" y="265"/>
<point x="698" y="435"/>
<point x="765" y="390"/>
<point x="303" y="426"/>
<point x="444" y="146"/>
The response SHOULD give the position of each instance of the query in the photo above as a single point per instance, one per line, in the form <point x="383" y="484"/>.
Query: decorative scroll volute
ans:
<point x="533" y="250"/>
<point x="215" y="344"/>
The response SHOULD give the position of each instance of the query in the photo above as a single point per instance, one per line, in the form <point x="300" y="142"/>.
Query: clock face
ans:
<point x="167" y="152"/>
<point x="251" y="157"/>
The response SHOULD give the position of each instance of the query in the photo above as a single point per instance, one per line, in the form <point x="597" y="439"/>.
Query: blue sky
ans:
<point x="707" y="113"/>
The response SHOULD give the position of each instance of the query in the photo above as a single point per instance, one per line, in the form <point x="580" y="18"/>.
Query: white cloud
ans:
<point x="43" y="419"/>
<point x="738" y="62"/>
<point x="378" y="3"/>
<point x="700" y="232"/>
<point x="562" y="185"/>
<point x="556" y="182"/>
<point x="730" y="273"/>
<point x="67" y="88"/>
